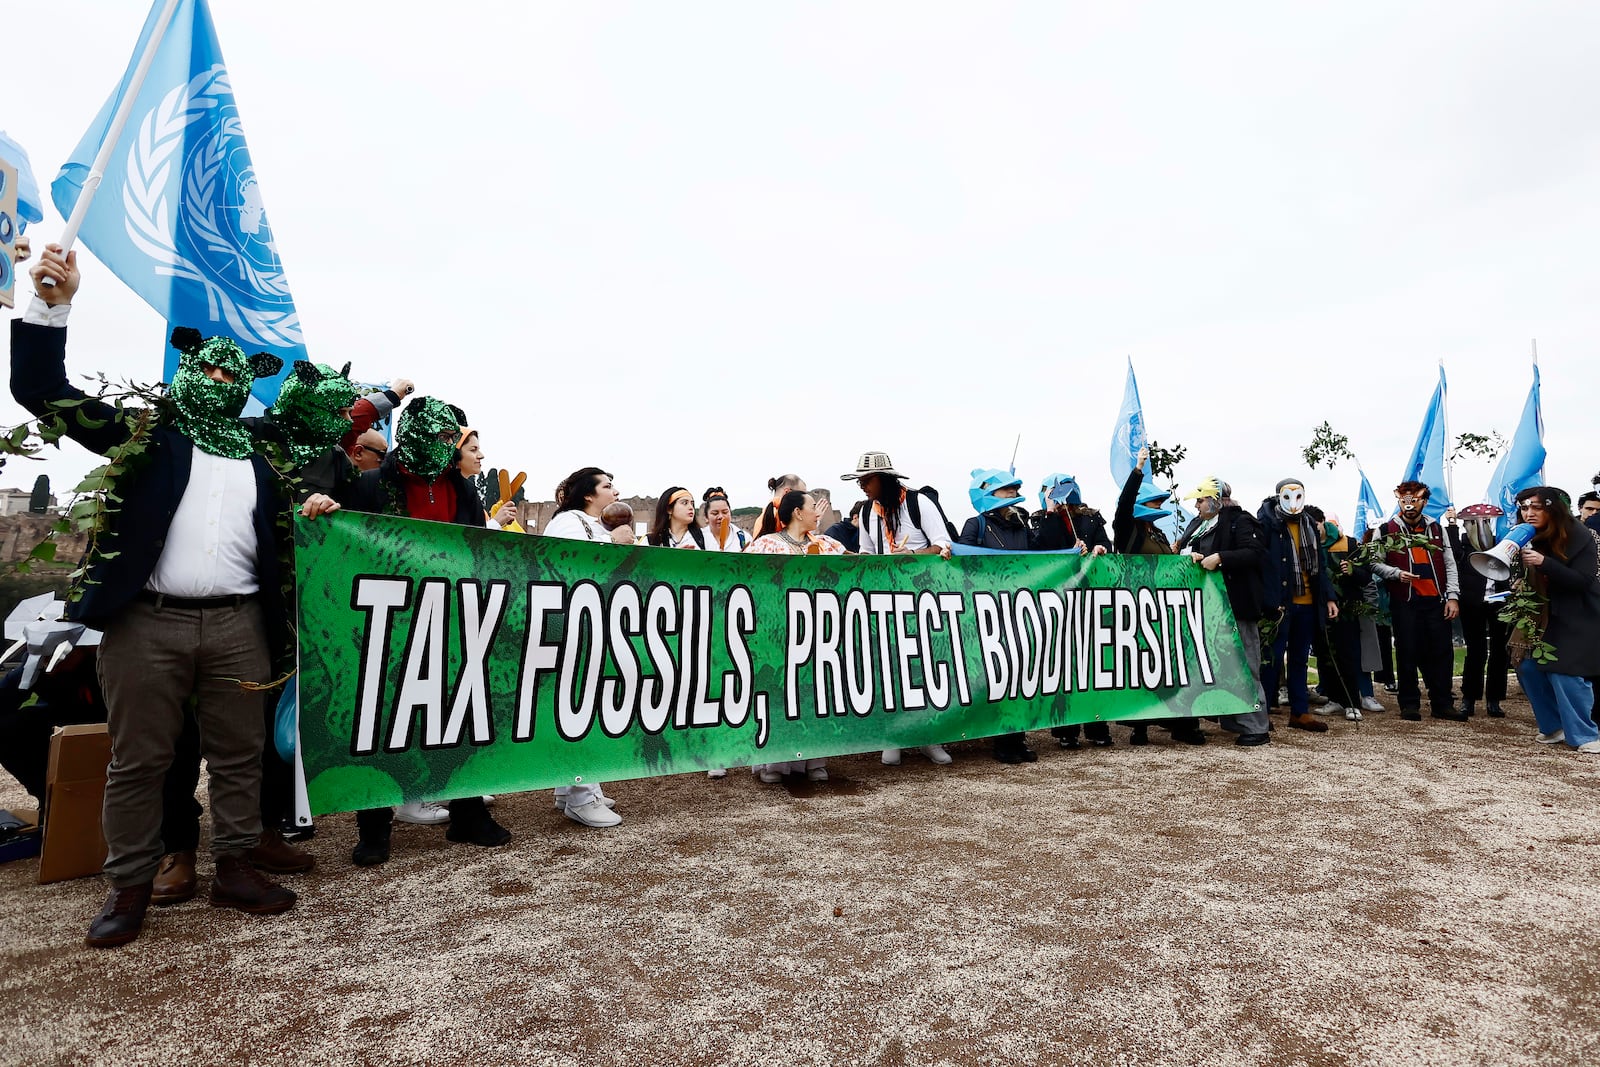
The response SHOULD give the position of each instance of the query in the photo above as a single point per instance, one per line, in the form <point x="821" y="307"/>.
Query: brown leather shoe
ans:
<point x="122" y="917"/>
<point x="175" y="882"/>
<point x="1308" y="721"/>
<point x="239" y="885"/>
<point x="273" y="853"/>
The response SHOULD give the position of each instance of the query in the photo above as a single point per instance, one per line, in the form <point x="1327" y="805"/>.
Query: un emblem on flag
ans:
<point x="219" y="235"/>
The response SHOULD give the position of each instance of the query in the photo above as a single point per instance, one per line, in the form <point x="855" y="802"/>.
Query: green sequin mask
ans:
<point x="419" y="436"/>
<point x="311" y="409"/>
<point x="208" y="411"/>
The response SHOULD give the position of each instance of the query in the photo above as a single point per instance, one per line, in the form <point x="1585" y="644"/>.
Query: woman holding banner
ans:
<point x="580" y="498"/>
<point x="796" y="512"/>
<point x="674" y="525"/>
<point x="777" y="486"/>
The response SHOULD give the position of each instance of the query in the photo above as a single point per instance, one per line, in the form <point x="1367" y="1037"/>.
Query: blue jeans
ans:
<point x="1560" y="702"/>
<point x="1295" y="633"/>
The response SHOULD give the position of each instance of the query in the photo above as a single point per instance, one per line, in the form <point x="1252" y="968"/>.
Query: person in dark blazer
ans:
<point x="184" y="583"/>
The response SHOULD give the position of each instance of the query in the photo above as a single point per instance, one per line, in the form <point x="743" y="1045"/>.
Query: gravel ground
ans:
<point x="1388" y="893"/>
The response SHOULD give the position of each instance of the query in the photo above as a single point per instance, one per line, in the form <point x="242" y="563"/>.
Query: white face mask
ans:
<point x="1292" y="499"/>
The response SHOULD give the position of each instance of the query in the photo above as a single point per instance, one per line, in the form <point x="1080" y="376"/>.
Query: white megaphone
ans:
<point x="1495" y="564"/>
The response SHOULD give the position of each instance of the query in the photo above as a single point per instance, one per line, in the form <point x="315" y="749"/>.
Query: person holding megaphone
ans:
<point x="1563" y="566"/>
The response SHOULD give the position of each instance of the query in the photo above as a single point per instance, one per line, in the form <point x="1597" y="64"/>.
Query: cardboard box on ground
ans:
<point x="75" y="791"/>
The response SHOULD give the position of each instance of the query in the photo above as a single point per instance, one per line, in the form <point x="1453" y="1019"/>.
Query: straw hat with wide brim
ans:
<point x="872" y="463"/>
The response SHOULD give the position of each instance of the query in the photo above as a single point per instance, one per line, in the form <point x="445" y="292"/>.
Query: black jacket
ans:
<point x="1278" y="567"/>
<point x="1574" y="589"/>
<point x="1134" y="536"/>
<point x="150" y="490"/>
<point x="1473" y="585"/>
<point x="1003" y="528"/>
<point x="846" y="533"/>
<point x="1087" y="524"/>
<point x="382" y="491"/>
<point x="1236" y="538"/>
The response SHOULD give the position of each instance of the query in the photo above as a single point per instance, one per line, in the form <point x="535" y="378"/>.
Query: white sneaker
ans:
<point x="1353" y="714"/>
<point x="1318" y="699"/>
<point x="594" y="813"/>
<point x="937" y="754"/>
<point x="1590" y="748"/>
<point x="561" y="802"/>
<point x="489" y="799"/>
<point x="1370" y="704"/>
<point x="820" y="774"/>
<point x="1552" y="739"/>
<point x="717" y="772"/>
<point x="891" y="757"/>
<point x="423" y="813"/>
<point x="1327" y="707"/>
<point x="769" y="776"/>
<point x="1283" y="697"/>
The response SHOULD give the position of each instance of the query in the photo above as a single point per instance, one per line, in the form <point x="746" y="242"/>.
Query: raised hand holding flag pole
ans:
<point x="183" y="223"/>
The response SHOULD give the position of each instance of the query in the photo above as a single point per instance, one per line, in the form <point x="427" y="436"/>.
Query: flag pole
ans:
<point x="1449" y="453"/>
<point x="119" y="122"/>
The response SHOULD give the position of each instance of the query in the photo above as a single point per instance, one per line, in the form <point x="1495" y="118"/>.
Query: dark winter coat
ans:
<point x="1278" y="569"/>
<point x="1004" y="528"/>
<point x="1574" y="589"/>
<point x="1088" y="525"/>
<point x="1131" y="536"/>
<point x="1236" y="538"/>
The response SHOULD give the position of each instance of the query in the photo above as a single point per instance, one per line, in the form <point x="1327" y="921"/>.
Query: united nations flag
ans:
<point x="179" y="215"/>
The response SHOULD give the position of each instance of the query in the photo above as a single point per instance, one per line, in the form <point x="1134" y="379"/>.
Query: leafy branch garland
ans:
<point x="1524" y="610"/>
<point x="94" y="501"/>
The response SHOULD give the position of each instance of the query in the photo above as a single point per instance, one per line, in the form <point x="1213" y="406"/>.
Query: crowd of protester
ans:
<point x="187" y="591"/>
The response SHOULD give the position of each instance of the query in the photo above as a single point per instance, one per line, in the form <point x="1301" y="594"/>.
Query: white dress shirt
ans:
<point x="211" y="544"/>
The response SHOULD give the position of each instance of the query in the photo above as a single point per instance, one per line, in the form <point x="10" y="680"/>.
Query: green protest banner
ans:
<point x="439" y="661"/>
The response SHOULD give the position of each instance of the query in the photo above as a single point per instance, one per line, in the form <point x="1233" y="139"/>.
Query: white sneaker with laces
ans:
<point x="1327" y="707"/>
<point x="594" y="814"/>
<point x="610" y="802"/>
<point x="1590" y="748"/>
<point x="1370" y="704"/>
<point x="423" y="813"/>
<point x="891" y="757"/>
<point x="937" y="754"/>
<point x="1552" y="739"/>
<point x="1353" y="714"/>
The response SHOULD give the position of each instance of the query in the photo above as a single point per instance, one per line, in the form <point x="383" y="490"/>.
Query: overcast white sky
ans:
<point x="701" y="243"/>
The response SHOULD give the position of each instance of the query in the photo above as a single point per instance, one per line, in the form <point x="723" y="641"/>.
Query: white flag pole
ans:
<point x="1449" y="453"/>
<point x="119" y="122"/>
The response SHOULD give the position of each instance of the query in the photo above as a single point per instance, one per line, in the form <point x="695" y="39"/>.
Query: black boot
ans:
<point x="1494" y="711"/>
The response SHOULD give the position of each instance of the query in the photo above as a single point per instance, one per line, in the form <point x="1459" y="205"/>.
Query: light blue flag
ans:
<point x="1427" y="458"/>
<point x="1522" y="465"/>
<point x="179" y="216"/>
<point x="1128" y="436"/>
<point x="1370" y="512"/>
<point x="29" y="207"/>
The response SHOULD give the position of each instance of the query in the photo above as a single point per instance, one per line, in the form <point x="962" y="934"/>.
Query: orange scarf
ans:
<point x="883" y="524"/>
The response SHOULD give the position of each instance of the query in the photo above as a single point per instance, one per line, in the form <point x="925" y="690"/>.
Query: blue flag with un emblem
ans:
<point x="179" y="215"/>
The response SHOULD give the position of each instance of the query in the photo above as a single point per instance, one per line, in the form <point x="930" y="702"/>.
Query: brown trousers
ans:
<point x="151" y="661"/>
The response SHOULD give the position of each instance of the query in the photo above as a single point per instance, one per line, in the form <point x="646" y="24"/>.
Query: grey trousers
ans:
<point x="151" y="661"/>
<point x="1254" y="722"/>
